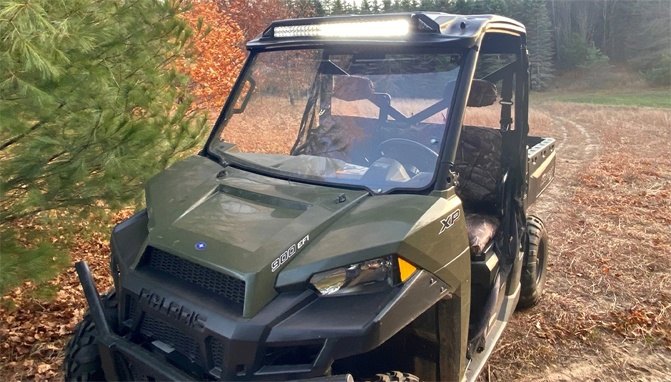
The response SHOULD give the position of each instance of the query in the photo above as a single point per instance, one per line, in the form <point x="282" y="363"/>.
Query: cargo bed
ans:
<point x="541" y="159"/>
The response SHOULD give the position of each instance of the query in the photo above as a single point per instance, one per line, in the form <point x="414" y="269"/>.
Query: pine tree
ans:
<point x="441" y="6"/>
<point x="427" y="5"/>
<point x="479" y="7"/>
<point x="91" y="105"/>
<point x="318" y="8"/>
<point x="497" y="7"/>
<point x="375" y="7"/>
<point x="648" y="45"/>
<point x="327" y="6"/>
<point x="461" y="7"/>
<point x="350" y="8"/>
<point x="365" y="7"/>
<point x="337" y="8"/>
<point x="534" y="15"/>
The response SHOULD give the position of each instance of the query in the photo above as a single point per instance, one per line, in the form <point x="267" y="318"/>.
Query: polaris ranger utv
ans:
<point x="343" y="220"/>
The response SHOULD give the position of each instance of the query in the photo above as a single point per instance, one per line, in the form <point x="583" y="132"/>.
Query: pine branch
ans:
<point x="17" y="138"/>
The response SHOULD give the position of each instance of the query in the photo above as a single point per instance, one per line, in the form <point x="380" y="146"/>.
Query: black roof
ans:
<point x="425" y="28"/>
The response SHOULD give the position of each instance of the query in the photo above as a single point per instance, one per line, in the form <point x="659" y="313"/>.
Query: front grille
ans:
<point x="160" y="330"/>
<point x="226" y="286"/>
<point x="185" y="343"/>
<point x="217" y="351"/>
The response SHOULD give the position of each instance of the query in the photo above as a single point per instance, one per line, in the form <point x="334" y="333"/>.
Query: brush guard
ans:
<point x="110" y="345"/>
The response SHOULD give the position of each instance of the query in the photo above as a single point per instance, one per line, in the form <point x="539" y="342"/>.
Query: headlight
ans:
<point x="366" y="276"/>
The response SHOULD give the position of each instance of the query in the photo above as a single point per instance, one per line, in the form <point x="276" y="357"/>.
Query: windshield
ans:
<point x="374" y="120"/>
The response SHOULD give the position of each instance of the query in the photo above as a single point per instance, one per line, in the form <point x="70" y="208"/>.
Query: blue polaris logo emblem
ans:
<point x="201" y="245"/>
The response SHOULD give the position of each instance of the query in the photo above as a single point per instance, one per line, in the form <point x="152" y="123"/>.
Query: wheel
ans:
<point x="396" y="376"/>
<point x="82" y="359"/>
<point x="534" y="265"/>
<point x="409" y="153"/>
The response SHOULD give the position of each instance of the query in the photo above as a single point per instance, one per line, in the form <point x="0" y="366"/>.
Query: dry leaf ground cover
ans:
<point x="606" y="312"/>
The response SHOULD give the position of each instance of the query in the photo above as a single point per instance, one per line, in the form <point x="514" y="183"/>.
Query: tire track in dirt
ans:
<point x="590" y="366"/>
<point x="575" y="149"/>
<point x="535" y="346"/>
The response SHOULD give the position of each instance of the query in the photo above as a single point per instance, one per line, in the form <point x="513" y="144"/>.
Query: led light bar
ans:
<point x="360" y="29"/>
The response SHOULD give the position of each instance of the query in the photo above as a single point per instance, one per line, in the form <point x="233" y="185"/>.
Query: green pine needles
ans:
<point x="90" y="101"/>
<point x="91" y="105"/>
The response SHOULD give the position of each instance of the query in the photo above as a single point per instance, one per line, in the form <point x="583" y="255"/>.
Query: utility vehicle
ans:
<point x="345" y="219"/>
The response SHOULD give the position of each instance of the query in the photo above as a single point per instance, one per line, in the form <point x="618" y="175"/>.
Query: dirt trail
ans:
<point x="575" y="148"/>
<point x="600" y="318"/>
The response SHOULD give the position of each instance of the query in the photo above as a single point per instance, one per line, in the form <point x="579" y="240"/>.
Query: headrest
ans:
<point x="483" y="93"/>
<point x="352" y="88"/>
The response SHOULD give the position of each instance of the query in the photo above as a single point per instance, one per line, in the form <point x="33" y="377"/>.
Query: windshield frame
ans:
<point x="465" y="72"/>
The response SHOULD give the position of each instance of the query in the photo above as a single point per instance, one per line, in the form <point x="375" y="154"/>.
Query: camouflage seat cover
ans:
<point x="481" y="230"/>
<point x="478" y="164"/>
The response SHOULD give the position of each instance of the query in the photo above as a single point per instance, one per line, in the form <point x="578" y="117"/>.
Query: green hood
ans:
<point x="242" y="223"/>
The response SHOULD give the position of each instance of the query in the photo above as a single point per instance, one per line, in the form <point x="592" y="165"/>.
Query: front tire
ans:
<point x="534" y="266"/>
<point x="82" y="358"/>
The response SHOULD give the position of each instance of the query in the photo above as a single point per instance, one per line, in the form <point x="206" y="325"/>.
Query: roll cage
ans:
<point x="472" y="35"/>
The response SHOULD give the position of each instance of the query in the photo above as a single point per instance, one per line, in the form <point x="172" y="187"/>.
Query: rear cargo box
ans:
<point x="541" y="166"/>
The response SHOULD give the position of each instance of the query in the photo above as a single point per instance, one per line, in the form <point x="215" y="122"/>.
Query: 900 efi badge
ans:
<point x="289" y="253"/>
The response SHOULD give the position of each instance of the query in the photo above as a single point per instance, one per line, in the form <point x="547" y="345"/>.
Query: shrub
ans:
<point x="658" y="72"/>
<point x="576" y="52"/>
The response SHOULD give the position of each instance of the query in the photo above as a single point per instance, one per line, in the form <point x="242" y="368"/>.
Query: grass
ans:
<point x="658" y="98"/>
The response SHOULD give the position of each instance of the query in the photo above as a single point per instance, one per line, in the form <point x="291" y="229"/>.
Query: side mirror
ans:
<point x="244" y="96"/>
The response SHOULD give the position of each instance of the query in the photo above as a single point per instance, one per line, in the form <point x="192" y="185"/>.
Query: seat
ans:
<point x="481" y="230"/>
<point x="478" y="163"/>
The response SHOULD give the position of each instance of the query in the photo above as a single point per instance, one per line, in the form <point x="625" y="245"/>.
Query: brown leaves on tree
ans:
<point x="218" y="53"/>
<point x="222" y="28"/>
<point x="254" y="16"/>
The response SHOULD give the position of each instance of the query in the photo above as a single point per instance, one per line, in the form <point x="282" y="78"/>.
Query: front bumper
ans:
<point x="169" y="332"/>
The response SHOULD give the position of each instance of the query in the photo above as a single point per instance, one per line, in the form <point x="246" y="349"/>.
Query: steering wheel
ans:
<point x="414" y="156"/>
